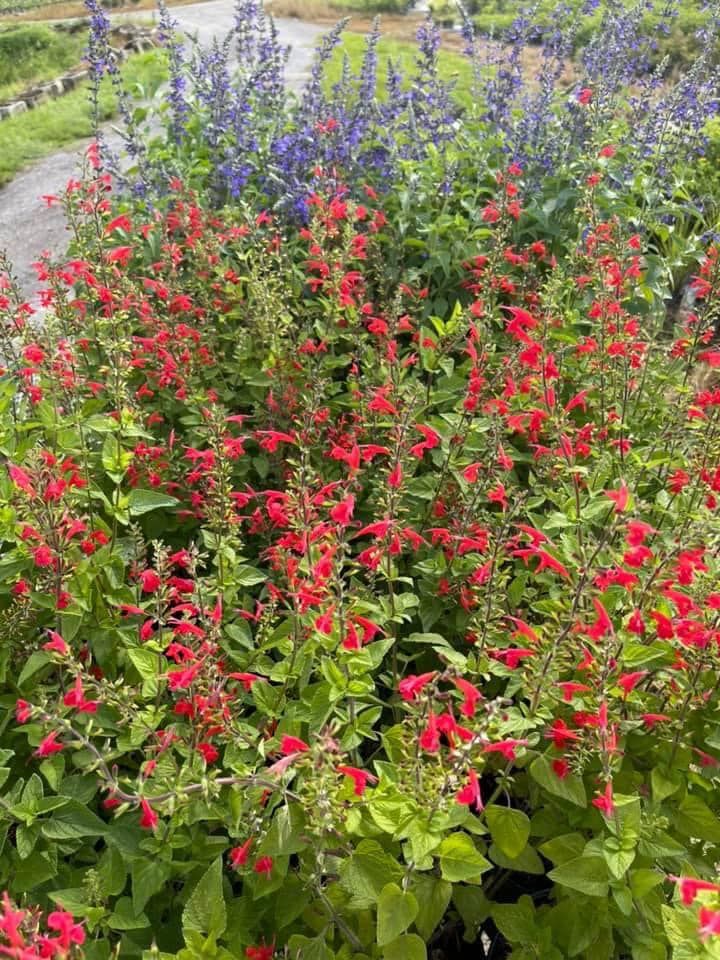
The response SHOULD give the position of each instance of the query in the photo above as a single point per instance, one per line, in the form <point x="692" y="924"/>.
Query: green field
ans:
<point x="33" y="53"/>
<point x="54" y="124"/>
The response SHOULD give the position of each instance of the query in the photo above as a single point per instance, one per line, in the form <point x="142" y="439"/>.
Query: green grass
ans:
<point x="34" y="53"/>
<point x="452" y="66"/>
<point x="60" y="122"/>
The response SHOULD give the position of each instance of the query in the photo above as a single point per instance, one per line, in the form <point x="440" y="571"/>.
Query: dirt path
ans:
<point x="28" y="226"/>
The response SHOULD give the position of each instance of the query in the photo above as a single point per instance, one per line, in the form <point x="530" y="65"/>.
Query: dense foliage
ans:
<point x="359" y="548"/>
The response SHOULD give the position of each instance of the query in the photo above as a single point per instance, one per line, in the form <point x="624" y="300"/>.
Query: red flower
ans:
<point x="342" y="512"/>
<point x="506" y="747"/>
<point x="48" y="746"/>
<point x="208" y="751"/>
<point x="290" y="745"/>
<point x="689" y="887"/>
<point x="149" y="818"/>
<point x="470" y="793"/>
<point x="709" y="923"/>
<point x="263" y="865"/>
<point x="584" y="96"/>
<point x="619" y="497"/>
<point x="23" y="711"/>
<point x="430" y="737"/>
<point x="149" y="581"/>
<point x="69" y="932"/>
<point x="411" y="686"/>
<point x="260" y="953"/>
<point x="396" y="476"/>
<point x="561" y="768"/>
<point x="561" y="734"/>
<point x="628" y="681"/>
<point x="471" y="696"/>
<point x="361" y="778"/>
<point x="604" y="802"/>
<point x="76" y="698"/>
<point x="20" y="588"/>
<point x="239" y="855"/>
<point x="56" y="644"/>
<point x="43" y="556"/>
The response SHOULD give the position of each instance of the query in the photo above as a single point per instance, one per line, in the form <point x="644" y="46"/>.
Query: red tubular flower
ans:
<point x="56" y="644"/>
<point x="48" y="746"/>
<point x="430" y="737"/>
<point x="149" y="581"/>
<point x="342" y="512"/>
<point x="411" y="686"/>
<point x="290" y="745"/>
<point x="505" y="747"/>
<point x="23" y="711"/>
<point x="561" y="734"/>
<point x="260" y="952"/>
<point x="69" y="932"/>
<point x="149" y="818"/>
<point x="619" y="497"/>
<point x="263" y="865"/>
<point x="239" y="855"/>
<point x="709" y="921"/>
<point x="361" y="778"/>
<point x="470" y="794"/>
<point x="471" y="696"/>
<point x="604" y="802"/>
<point x="689" y="887"/>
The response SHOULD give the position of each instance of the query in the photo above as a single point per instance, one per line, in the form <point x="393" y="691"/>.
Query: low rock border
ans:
<point x="137" y="40"/>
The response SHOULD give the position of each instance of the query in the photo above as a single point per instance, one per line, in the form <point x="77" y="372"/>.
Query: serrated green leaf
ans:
<point x="205" y="910"/>
<point x="396" y="910"/>
<point x="509" y="828"/>
<point x="460" y="860"/>
<point x="587" y="875"/>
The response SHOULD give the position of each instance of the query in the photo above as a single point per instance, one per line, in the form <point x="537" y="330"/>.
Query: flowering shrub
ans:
<point x="233" y="128"/>
<point x="339" y="624"/>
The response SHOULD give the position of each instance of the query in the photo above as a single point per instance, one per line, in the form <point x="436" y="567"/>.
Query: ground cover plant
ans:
<point x="358" y="523"/>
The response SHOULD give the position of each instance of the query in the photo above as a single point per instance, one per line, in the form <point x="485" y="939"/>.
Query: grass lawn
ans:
<point x="32" y="53"/>
<point x="57" y="123"/>
<point x="453" y="66"/>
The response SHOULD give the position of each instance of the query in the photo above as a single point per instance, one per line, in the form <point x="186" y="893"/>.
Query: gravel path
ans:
<point x="28" y="227"/>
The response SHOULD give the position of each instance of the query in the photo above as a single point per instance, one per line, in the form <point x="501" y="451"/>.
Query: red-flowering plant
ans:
<point x="337" y="626"/>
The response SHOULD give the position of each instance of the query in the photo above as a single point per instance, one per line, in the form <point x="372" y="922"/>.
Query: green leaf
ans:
<point x="205" y="910"/>
<point x="396" y="910"/>
<point x="526" y="862"/>
<point x="247" y="576"/>
<point x="72" y="822"/>
<point x="148" y="878"/>
<point x="144" y="501"/>
<point x="146" y="662"/>
<point x="570" y="788"/>
<point x="315" y="949"/>
<point x="407" y="947"/>
<point x="563" y="848"/>
<point x="125" y="918"/>
<point x="366" y="872"/>
<point x="584" y="874"/>
<point x="509" y="828"/>
<point x="516" y="921"/>
<point x="285" y="835"/>
<point x="35" y="662"/>
<point x="473" y="907"/>
<point x="694" y="818"/>
<point x="460" y="859"/>
<point x="433" y="896"/>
